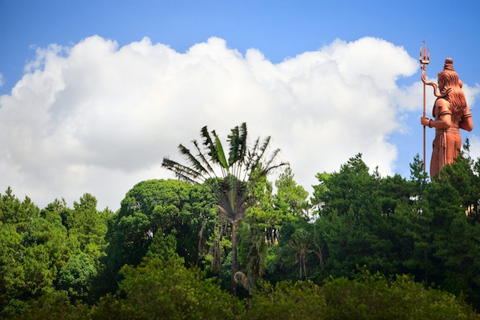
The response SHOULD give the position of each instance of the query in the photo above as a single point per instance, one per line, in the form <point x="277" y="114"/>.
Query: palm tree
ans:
<point x="299" y="243"/>
<point x="230" y="178"/>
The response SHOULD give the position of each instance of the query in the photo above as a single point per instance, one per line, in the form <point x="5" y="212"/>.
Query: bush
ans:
<point x="158" y="291"/>
<point x="374" y="297"/>
<point x="302" y="300"/>
<point x="54" y="305"/>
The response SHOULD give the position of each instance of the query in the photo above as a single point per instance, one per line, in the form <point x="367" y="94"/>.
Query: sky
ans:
<point x="94" y="94"/>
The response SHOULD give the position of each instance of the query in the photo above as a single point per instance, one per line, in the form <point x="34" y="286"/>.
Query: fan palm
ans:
<point x="234" y="173"/>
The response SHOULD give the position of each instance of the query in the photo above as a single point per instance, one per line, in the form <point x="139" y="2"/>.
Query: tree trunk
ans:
<point x="201" y="244"/>
<point x="234" y="257"/>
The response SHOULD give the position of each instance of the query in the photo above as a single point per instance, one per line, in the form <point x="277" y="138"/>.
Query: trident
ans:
<point x="424" y="60"/>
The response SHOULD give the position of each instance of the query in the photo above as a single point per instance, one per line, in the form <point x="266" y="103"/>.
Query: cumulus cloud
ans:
<point x="98" y="118"/>
<point x="471" y="94"/>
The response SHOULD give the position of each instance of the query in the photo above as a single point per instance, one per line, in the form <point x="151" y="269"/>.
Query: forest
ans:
<point x="223" y="242"/>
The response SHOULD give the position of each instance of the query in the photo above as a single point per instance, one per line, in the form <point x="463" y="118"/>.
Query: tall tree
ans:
<point x="231" y="175"/>
<point x="353" y="219"/>
<point x="32" y="250"/>
<point x="291" y="198"/>
<point x="151" y="207"/>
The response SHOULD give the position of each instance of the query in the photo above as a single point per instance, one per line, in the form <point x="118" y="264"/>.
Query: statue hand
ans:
<point x="425" y="121"/>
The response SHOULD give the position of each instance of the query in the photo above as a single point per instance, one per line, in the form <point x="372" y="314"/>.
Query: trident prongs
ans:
<point x="424" y="56"/>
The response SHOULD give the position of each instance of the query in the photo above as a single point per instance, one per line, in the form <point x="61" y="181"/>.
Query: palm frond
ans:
<point x="250" y="156"/>
<point x="203" y="159"/>
<point x="242" y="145"/>
<point x="209" y="144"/>
<point x="267" y="170"/>
<point x="272" y="158"/>
<point x="233" y="140"/>
<point x="243" y="136"/>
<point x="193" y="161"/>
<point x="222" y="160"/>
<point x="183" y="172"/>
<point x="237" y="148"/>
<point x="263" y="149"/>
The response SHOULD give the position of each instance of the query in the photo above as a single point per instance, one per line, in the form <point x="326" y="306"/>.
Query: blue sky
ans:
<point x="267" y="43"/>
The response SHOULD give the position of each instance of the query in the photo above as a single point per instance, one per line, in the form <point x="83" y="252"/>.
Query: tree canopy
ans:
<point x="362" y="246"/>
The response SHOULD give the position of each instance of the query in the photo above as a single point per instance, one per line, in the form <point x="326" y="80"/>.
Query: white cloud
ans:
<point x="471" y="94"/>
<point x="2" y="81"/>
<point x="98" y="118"/>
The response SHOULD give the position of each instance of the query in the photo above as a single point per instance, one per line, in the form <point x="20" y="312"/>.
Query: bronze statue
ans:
<point x="450" y="114"/>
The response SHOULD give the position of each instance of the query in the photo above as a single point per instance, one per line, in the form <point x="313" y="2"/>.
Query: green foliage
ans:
<point x="417" y="174"/>
<point x="158" y="207"/>
<point x="77" y="276"/>
<point x="165" y="250"/>
<point x="156" y="291"/>
<point x="55" y="305"/>
<point x="353" y="220"/>
<point x="374" y="297"/>
<point x="32" y="250"/>
<point x="300" y="241"/>
<point x="54" y="260"/>
<point x="454" y="200"/>
<point x="295" y="255"/>
<point x="12" y="272"/>
<point x="280" y="215"/>
<point x="252" y="251"/>
<point x="394" y="226"/>
<point x="369" y="296"/>
<point x="42" y="251"/>
<point x="88" y="225"/>
<point x="231" y="179"/>
<point x="301" y="300"/>
<point x="16" y="212"/>
<point x="290" y="197"/>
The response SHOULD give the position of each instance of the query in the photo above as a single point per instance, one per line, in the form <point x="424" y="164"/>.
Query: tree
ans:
<point x="231" y="176"/>
<point x="158" y="289"/>
<point x="86" y="228"/>
<point x="16" y="212"/>
<point x="373" y="296"/>
<point x="364" y="219"/>
<point x="290" y="198"/>
<point x="299" y="242"/>
<point x="77" y="276"/>
<point x="87" y="224"/>
<point x="152" y="207"/>
<point x="453" y="200"/>
<point x="350" y="219"/>
<point x="33" y="248"/>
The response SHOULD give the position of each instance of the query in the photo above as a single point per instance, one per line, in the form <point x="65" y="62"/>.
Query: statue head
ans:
<point x="448" y="79"/>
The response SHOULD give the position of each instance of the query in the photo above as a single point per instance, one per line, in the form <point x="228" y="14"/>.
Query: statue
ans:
<point x="450" y="114"/>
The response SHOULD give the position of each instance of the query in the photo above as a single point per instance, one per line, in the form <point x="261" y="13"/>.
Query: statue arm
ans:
<point x="444" y="118"/>
<point x="444" y="122"/>
<point x="466" y="122"/>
